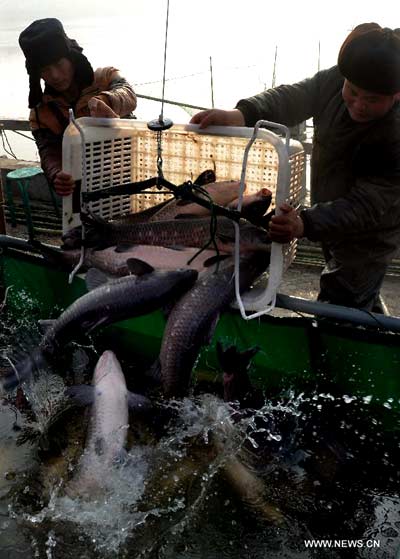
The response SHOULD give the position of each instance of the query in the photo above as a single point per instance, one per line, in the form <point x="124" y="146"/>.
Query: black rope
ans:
<point x="186" y="191"/>
<point x="23" y="135"/>
<point x="122" y="189"/>
<point x="9" y="145"/>
<point x="213" y="227"/>
<point x="183" y="192"/>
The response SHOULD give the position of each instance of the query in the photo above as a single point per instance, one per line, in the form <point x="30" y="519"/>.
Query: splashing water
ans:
<point x="135" y="494"/>
<point x="108" y="518"/>
<point x="166" y="500"/>
<point x="45" y="395"/>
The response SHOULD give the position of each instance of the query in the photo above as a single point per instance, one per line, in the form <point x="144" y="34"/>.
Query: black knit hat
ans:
<point x="44" y="42"/>
<point x="370" y="58"/>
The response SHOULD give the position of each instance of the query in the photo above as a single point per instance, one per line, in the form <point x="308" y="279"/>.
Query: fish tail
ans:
<point x="233" y="360"/>
<point x="206" y="177"/>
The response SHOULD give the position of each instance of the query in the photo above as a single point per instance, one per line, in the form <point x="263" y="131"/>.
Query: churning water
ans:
<point x="200" y="478"/>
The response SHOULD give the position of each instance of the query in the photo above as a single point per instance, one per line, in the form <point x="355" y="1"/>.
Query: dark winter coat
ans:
<point x="355" y="172"/>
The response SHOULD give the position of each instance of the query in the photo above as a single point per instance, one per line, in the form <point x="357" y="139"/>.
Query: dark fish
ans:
<point x="193" y="233"/>
<point x="210" y="451"/>
<point x="72" y="239"/>
<point x="235" y="366"/>
<point x="107" y="302"/>
<point x="144" y="215"/>
<point x="254" y="206"/>
<point x="250" y="488"/>
<point x="192" y="320"/>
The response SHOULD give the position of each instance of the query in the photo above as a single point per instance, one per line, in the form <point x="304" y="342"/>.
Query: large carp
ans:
<point x="108" y="425"/>
<point x="217" y="233"/>
<point x="106" y="302"/>
<point x="192" y="320"/>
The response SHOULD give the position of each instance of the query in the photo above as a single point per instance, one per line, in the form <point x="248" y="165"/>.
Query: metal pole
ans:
<point x="212" y="84"/>
<point x="357" y="317"/>
<point x="274" y="71"/>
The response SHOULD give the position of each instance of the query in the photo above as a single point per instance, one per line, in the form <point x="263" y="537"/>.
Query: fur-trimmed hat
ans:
<point x="44" y="42"/>
<point x="370" y="58"/>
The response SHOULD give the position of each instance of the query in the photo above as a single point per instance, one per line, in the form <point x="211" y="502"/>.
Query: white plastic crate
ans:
<point x="119" y="151"/>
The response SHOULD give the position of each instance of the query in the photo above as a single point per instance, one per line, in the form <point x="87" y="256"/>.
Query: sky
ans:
<point x="240" y="37"/>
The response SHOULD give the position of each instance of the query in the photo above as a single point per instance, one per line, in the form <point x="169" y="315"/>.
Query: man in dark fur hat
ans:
<point x="69" y="81"/>
<point x="355" y="167"/>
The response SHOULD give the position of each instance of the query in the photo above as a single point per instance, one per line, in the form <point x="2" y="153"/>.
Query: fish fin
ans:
<point x="137" y="402"/>
<point x="216" y="259"/>
<point x="45" y="325"/>
<point x="206" y="177"/>
<point x="177" y="247"/>
<point x="123" y="247"/>
<point x="139" y="267"/>
<point x="187" y="216"/>
<point x="88" y="327"/>
<point x="91" y="218"/>
<point x="80" y="394"/>
<point x="95" y="278"/>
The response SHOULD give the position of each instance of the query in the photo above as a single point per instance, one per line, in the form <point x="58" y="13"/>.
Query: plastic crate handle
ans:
<point x="263" y="300"/>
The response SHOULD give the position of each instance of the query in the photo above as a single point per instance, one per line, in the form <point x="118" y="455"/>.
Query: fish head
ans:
<point x="107" y="365"/>
<point x="180" y="279"/>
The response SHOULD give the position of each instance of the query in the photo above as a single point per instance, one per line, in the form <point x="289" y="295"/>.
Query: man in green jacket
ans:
<point x="355" y="166"/>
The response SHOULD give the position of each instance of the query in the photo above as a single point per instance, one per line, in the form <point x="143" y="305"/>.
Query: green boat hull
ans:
<point x="295" y="352"/>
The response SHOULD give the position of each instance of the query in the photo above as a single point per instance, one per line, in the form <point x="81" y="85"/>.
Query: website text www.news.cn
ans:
<point x="328" y="544"/>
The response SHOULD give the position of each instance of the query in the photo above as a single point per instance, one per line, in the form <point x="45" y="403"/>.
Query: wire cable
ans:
<point x="165" y="63"/>
<point x="8" y="150"/>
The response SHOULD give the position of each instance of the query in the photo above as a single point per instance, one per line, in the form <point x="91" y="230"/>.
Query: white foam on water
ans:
<point x="116" y="508"/>
<point x="109" y="515"/>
